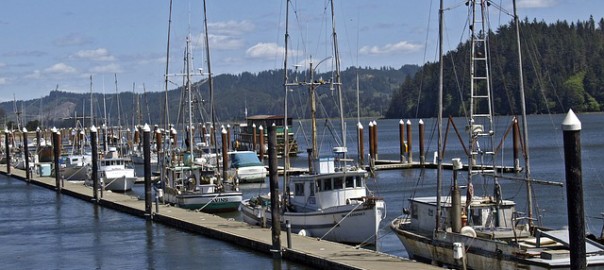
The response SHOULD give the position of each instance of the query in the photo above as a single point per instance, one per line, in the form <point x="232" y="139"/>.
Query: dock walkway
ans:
<point x="306" y="250"/>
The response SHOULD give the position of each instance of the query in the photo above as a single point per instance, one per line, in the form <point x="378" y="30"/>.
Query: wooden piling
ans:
<point x="375" y="140"/>
<point x="95" y="165"/>
<point x="361" y="144"/>
<point x="261" y="150"/>
<point x="409" y="143"/>
<point x="401" y="136"/>
<point x="254" y="139"/>
<point x="38" y="139"/>
<point x="25" y="147"/>
<point x="274" y="188"/>
<point x="56" y="145"/>
<point x="422" y="153"/>
<point x="371" y="152"/>
<point x="7" y="146"/>
<point x="228" y="136"/>
<point x="225" y="155"/>
<point x="516" y="144"/>
<point x="571" y="127"/>
<point x="147" y="170"/>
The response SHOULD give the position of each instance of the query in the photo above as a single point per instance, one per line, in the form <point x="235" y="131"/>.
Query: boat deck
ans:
<point x="306" y="250"/>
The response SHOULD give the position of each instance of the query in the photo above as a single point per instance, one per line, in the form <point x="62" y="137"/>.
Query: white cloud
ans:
<point x="36" y="74"/>
<point x="100" y="54"/>
<point x="231" y="27"/>
<point x="60" y="68"/>
<point x="73" y="39"/>
<point x="536" y="3"/>
<point x="268" y="51"/>
<point x="400" y="47"/>
<point x="110" y="68"/>
<point x="3" y="81"/>
<point x="218" y="42"/>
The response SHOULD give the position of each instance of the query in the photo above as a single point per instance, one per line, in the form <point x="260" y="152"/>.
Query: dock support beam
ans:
<point x="422" y="153"/>
<point x="409" y="143"/>
<point x="27" y="169"/>
<point x="401" y="137"/>
<point x="56" y="145"/>
<point x="147" y="170"/>
<point x="571" y="127"/>
<point x="95" y="166"/>
<point x="7" y="145"/>
<point x="274" y="188"/>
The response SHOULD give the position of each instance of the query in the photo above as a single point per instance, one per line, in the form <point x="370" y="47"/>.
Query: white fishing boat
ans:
<point x="483" y="232"/>
<point x="246" y="167"/>
<point x="115" y="172"/>
<point x="332" y="202"/>
<point x="76" y="167"/>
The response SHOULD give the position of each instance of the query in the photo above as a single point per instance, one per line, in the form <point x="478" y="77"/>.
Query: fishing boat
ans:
<point x="115" y="172"/>
<point x="185" y="183"/>
<point x="332" y="202"/>
<point x="245" y="167"/>
<point x="488" y="231"/>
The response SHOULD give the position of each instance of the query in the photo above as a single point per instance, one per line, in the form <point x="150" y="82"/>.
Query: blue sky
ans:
<point x="63" y="42"/>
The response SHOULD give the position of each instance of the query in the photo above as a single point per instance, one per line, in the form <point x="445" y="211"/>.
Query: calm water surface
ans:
<point x="39" y="229"/>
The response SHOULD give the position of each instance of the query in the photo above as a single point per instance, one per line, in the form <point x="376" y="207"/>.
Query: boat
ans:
<point x="245" y="167"/>
<point x="485" y="232"/>
<point x="76" y="167"/>
<point x="186" y="184"/>
<point x="115" y="172"/>
<point x="332" y="202"/>
<point x="246" y="135"/>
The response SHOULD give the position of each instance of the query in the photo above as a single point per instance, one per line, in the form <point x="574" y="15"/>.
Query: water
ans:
<point x="63" y="232"/>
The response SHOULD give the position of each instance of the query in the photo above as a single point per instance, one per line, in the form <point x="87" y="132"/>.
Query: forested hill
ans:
<point x="260" y="93"/>
<point x="563" y="65"/>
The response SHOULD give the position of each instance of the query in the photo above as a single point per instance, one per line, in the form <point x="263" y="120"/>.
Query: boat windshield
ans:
<point x="245" y="160"/>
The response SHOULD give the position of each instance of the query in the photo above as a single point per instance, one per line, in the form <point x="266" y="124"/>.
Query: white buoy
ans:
<point x="457" y="250"/>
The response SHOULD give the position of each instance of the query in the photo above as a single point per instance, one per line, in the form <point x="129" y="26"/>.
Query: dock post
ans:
<point x="571" y="127"/>
<point x="274" y="188"/>
<point x="147" y="170"/>
<point x="56" y="145"/>
<point x="95" y="166"/>
<point x="371" y="152"/>
<point x="225" y="155"/>
<point x="7" y="145"/>
<point x="228" y="135"/>
<point x="516" y="144"/>
<point x="456" y="198"/>
<point x="401" y="136"/>
<point x="38" y="138"/>
<point x="422" y="153"/>
<point x="27" y="171"/>
<point x="361" y="144"/>
<point x="254" y="138"/>
<point x="261" y="150"/>
<point x="375" y="140"/>
<point x="288" y="226"/>
<point x="409" y="143"/>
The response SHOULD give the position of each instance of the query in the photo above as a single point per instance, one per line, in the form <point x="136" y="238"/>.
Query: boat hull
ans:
<point x="352" y="223"/>
<point x="76" y="173"/>
<point x="206" y="202"/>
<point x="119" y="184"/>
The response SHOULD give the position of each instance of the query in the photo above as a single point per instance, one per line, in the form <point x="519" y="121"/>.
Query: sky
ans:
<point x="62" y="44"/>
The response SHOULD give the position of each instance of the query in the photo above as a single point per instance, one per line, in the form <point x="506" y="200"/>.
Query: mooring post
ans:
<point x="38" y="139"/>
<point x="288" y="226"/>
<point x="25" y="147"/>
<point x="95" y="166"/>
<point x="147" y="170"/>
<point x="361" y="144"/>
<point x="254" y="138"/>
<point x="261" y="150"/>
<point x="274" y="187"/>
<point x="516" y="144"/>
<point x="56" y="145"/>
<point x="571" y="127"/>
<point x="409" y="143"/>
<point x="225" y="155"/>
<point x="422" y="153"/>
<point x="401" y="137"/>
<point x="375" y="140"/>
<point x="228" y="135"/>
<point x="371" y="144"/>
<point x="7" y="146"/>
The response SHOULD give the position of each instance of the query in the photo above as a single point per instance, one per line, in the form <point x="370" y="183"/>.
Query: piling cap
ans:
<point x="260" y="128"/>
<point x="408" y="122"/>
<point x="421" y="122"/>
<point x="92" y="129"/>
<point x="359" y="125"/>
<point x="401" y="122"/>
<point x="146" y="128"/>
<point x="370" y="124"/>
<point x="24" y="129"/>
<point x="223" y="130"/>
<point x="53" y="130"/>
<point x="571" y="122"/>
<point x="38" y="129"/>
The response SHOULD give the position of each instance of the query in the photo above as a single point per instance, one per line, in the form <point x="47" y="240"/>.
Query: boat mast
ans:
<point x="84" y="119"/>
<point x="440" y="115"/>
<point x="166" y="111"/>
<point x="338" y="83"/>
<point x="119" y="115"/>
<point x="210" y="84"/>
<point x="527" y="168"/>
<point x="189" y="126"/>
<point x="285" y="124"/>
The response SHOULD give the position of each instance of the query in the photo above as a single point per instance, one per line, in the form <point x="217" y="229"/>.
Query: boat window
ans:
<point x="312" y="190"/>
<point x="327" y="184"/>
<point x="349" y="182"/>
<point x="318" y="185"/>
<point x="299" y="189"/>
<point x="359" y="181"/>
<point x="476" y="216"/>
<point x="337" y="183"/>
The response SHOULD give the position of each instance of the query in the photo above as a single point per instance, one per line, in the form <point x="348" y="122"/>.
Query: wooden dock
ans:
<point x="398" y="165"/>
<point x="306" y="250"/>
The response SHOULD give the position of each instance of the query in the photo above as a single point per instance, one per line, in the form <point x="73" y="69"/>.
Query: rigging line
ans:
<point x="337" y="224"/>
<point x="423" y="70"/>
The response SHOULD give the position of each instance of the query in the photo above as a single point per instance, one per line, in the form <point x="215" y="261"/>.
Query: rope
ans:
<point x="337" y="224"/>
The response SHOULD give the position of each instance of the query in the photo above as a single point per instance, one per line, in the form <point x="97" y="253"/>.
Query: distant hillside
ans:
<point x="261" y="93"/>
<point x="562" y="64"/>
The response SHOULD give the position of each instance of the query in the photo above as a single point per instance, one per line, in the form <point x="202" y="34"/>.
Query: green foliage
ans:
<point x="563" y="66"/>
